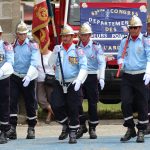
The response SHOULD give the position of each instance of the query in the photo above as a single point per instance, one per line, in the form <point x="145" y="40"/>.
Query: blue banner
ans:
<point x="111" y="23"/>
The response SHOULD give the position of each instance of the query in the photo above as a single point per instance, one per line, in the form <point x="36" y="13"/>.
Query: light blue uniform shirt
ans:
<point x="95" y="56"/>
<point x="6" y="55"/>
<point x="25" y="55"/>
<point x="72" y="61"/>
<point x="137" y="53"/>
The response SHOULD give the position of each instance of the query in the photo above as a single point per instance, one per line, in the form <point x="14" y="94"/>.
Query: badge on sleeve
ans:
<point x="7" y="46"/>
<point x="80" y="52"/>
<point x="34" y="44"/>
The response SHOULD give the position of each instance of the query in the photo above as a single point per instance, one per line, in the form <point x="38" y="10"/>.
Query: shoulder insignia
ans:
<point x="34" y="44"/>
<point x="80" y="51"/>
<point x="6" y="43"/>
<point x="77" y="46"/>
<point x="95" y="43"/>
<point x="8" y="46"/>
<point x="125" y="36"/>
<point x="145" y="35"/>
<point x="96" y="46"/>
<point x="32" y="41"/>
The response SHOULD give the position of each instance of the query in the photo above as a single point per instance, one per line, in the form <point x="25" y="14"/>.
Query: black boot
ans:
<point x="128" y="135"/>
<point x="30" y="133"/>
<point x="81" y="131"/>
<point x="147" y="131"/>
<point x="72" y="137"/>
<point x="92" y="133"/>
<point x="64" y="133"/>
<point x="3" y="137"/>
<point x="11" y="133"/>
<point x="140" y="136"/>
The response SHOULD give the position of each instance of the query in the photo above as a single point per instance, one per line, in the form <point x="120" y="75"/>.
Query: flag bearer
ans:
<point x="66" y="96"/>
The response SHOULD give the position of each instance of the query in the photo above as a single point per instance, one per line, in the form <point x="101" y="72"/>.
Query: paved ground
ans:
<point x="109" y="133"/>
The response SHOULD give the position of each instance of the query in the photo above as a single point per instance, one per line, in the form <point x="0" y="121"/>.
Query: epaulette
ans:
<point x="77" y="46"/>
<point x="125" y="36"/>
<point x="14" y="44"/>
<point x="32" y="41"/>
<point x="145" y="35"/>
<point x="95" y="43"/>
<point x="33" y="44"/>
<point x="6" y="43"/>
<point x="7" y="46"/>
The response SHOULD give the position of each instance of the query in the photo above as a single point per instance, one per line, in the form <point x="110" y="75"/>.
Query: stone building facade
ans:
<point x="10" y="15"/>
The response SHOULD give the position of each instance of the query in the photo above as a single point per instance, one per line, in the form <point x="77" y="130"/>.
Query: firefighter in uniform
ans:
<point x="22" y="81"/>
<point x="147" y="131"/>
<point x="65" y="99"/>
<point x="6" y="69"/>
<point x="136" y="77"/>
<point x="96" y="72"/>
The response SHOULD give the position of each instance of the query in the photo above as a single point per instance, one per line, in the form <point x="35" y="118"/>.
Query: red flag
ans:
<point x="40" y="22"/>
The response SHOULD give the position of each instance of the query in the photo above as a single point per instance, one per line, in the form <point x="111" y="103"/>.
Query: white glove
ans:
<point x="32" y="73"/>
<point x="120" y="61"/>
<point x="56" y="49"/>
<point x="82" y="75"/>
<point x="26" y="80"/>
<point x="101" y="73"/>
<point x="1" y="73"/>
<point x="77" y="84"/>
<point x="7" y="68"/>
<point x="147" y="74"/>
<point x="102" y="83"/>
<point x="146" y="78"/>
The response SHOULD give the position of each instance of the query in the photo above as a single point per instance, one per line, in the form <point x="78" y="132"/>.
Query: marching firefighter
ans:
<point x="6" y="69"/>
<point x="71" y="72"/>
<point x="136" y="77"/>
<point x="147" y="131"/>
<point x="96" y="74"/>
<point x="22" y="81"/>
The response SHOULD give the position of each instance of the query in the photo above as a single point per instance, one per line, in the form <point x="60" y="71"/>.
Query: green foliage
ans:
<point x="106" y="111"/>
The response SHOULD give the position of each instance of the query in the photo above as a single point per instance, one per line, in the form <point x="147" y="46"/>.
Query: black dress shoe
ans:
<point x="140" y="136"/>
<point x="128" y="135"/>
<point x="81" y="131"/>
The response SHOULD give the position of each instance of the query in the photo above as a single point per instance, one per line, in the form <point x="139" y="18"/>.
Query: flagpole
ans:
<point x="51" y="14"/>
<point x="66" y="12"/>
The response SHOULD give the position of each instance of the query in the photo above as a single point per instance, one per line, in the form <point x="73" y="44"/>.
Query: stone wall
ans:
<point x="10" y="15"/>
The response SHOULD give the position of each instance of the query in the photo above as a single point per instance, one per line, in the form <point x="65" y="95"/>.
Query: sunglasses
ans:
<point x="133" y="28"/>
